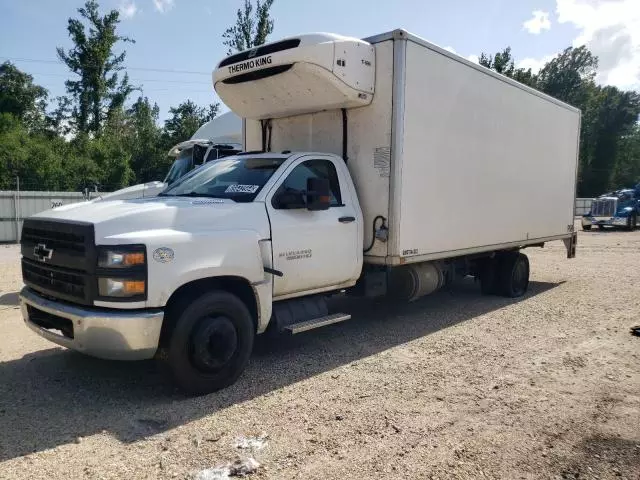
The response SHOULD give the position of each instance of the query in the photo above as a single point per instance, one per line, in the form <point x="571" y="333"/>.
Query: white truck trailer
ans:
<point x="383" y="166"/>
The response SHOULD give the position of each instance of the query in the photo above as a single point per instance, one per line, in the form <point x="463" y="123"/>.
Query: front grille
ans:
<point x="54" y="239"/>
<point x="50" y="322"/>
<point x="603" y="207"/>
<point x="64" y="244"/>
<point x="55" y="281"/>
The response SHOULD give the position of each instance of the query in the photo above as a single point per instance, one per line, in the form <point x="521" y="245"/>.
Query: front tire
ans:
<point x="632" y="222"/>
<point x="586" y="228"/>
<point x="210" y="343"/>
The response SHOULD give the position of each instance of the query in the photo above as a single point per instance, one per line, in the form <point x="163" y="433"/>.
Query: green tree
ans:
<point x="58" y="120"/>
<point x="143" y="139"/>
<point x="20" y="97"/>
<point x="37" y="158"/>
<point x="568" y="76"/>
<point x="611" y="116"/>
<point x="99" y="91"/>
<point x="627" y="169"/>
<point x="251" y="28"/>
<point x="185" y="119"/>
<point x="503" y="63"/>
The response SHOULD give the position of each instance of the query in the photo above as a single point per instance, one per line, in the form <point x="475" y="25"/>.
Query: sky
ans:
<point x="179" y="42"/>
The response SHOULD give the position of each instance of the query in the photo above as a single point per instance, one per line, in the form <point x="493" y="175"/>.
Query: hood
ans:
<point x="141" y="217"/>
<point x="142" y="190"/>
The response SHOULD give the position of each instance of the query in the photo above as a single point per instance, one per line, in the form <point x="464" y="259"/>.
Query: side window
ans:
<point x="296" y="182"/>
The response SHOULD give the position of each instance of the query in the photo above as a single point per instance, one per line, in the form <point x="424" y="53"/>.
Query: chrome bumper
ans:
<point x="611" y="221"/>
<point x="109" y="334"/>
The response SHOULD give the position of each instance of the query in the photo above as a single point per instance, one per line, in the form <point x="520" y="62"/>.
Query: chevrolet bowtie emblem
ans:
<point x="42" y="253"/>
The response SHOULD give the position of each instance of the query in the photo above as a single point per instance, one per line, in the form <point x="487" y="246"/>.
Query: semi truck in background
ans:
<point x="218" y="138"/>
<point x="375" y="167"/>
<point x="620" y="208"/>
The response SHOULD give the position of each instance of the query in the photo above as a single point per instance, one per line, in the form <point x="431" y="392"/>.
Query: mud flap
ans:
<point x="570" y="243"/>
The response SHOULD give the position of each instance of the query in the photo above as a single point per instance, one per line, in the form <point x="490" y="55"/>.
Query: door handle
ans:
<point x="347" y="219"/>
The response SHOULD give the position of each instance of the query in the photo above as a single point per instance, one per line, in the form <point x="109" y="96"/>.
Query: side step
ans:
<point x="317" y="323"/>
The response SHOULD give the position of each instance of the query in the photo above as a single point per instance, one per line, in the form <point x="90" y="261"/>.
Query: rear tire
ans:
<point x="513" y="274"/>
<point x="210" y="343"/>
<point x="632" y="222"/>
<point x="600" y="227"/>
<point x="586" y="228"/>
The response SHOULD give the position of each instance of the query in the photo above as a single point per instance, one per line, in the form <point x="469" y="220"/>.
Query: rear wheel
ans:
<point x="513" y="274"/>
<point x="632" y="222"/>
<point x="210" y="343"/>
<point x="600" y="227"/>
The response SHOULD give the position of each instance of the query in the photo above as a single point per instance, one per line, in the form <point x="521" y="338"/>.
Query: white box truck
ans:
<point x="384" y="166"/>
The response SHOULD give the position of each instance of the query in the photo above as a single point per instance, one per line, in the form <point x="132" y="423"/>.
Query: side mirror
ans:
<point x="318" y="194"/>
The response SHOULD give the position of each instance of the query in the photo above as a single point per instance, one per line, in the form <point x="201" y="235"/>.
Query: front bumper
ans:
<point x="102" y="333"/>
<point x="610" y="221"/>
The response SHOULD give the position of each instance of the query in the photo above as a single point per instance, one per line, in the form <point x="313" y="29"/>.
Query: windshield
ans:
<point x="181" y="165"/>
<point x="235" y="178"/>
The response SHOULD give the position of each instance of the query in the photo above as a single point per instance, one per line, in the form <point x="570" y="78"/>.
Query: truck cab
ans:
<point x="242" y="233"/>
<point x="620" y="208"/>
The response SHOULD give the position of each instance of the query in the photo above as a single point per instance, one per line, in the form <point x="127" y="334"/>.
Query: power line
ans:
<point x="171" y="89"/>
<point x="162" y="70"/>
<point x="132" y="79"/>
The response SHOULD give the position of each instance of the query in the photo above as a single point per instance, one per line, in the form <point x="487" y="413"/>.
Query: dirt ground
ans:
<point x="456" y="385"/>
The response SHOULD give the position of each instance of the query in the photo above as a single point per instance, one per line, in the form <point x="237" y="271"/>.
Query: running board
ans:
<point x="317" y="323"/>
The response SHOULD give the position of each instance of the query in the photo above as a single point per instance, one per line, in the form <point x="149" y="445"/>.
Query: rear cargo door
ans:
<point x="313" y="249"/>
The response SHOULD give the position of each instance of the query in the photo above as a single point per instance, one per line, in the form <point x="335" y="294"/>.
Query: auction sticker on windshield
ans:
<point x="242" y="189"/>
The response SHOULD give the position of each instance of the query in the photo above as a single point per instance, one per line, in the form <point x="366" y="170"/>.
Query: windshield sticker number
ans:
<point x="242" y="189"/>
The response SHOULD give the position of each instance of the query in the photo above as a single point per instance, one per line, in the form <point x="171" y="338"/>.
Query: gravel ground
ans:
<point x="456" y="385"/>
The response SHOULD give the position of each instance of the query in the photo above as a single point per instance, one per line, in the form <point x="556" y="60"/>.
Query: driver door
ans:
<point x="313" y="249"/>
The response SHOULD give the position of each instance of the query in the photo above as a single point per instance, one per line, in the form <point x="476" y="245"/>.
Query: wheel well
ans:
<point x="188" y="292"/>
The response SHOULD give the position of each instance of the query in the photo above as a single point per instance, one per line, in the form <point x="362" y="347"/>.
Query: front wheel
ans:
<point x="632" y="222"/>
<point x="586" y="228"/>
<point x="210" y="343"/>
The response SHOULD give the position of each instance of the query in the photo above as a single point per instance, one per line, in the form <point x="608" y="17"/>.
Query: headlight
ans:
<point x="121" y="257"/>
<point x="121" y="287"/>
<point x="122" y="272"/>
